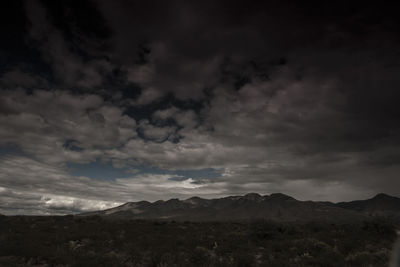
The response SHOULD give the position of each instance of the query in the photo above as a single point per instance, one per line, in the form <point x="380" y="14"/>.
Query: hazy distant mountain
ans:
<point x="276" y="207"/>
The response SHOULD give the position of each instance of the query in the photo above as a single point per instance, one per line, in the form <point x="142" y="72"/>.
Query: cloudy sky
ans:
<point x="104" y="102"/>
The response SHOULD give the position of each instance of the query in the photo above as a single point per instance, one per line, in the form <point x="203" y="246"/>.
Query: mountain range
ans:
<point x="252" y="206"/>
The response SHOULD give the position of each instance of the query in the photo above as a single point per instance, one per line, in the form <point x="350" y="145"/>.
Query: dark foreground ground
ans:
<point x="92" y="241"/>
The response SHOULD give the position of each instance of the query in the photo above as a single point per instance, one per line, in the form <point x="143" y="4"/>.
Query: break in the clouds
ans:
<point x="104" y="102"/>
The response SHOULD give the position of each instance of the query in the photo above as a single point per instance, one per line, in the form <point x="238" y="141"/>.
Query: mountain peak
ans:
<point x="253" y="196"/>
<point x="173" y="200"/>
<point x="280" y="196"/>
<point x="195" y="200"/>
<point x="382" y="196"/>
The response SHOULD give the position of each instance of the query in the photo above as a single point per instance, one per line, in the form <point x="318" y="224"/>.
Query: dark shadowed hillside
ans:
<point x="380" y="205"/>
<point x="275" y="207"/>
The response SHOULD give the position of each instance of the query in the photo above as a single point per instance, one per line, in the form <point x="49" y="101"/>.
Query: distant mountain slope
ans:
<point x="276" y="207"/>
<point x="380" y="205"/>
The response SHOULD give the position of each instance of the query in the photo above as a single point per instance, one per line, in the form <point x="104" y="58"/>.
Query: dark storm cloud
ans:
<point x="277" y="95"/>
<point x="67" y="66"/>
<point x="351" y="45"/>
<point x="315" y="80"/>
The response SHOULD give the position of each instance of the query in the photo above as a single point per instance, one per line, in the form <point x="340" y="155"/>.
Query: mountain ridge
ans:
<point x="253" y="206"/>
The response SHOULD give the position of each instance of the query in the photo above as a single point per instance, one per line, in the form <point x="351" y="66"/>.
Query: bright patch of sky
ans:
<point x="106" y="171"/>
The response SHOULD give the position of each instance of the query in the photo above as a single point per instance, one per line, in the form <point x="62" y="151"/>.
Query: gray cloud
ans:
<point x="41" y="123"/>
<point x="154" y="133"/>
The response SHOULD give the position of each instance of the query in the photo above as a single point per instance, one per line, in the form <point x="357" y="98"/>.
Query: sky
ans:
<point x="105" y="102"/>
